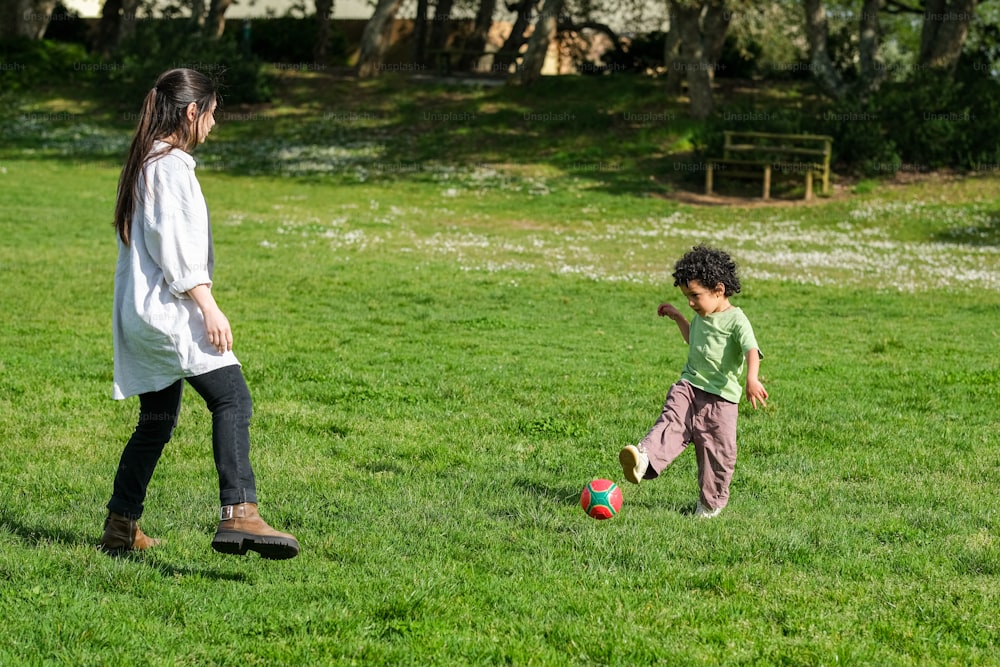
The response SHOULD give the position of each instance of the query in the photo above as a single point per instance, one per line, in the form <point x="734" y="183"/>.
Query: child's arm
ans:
<point x="667" y="310"/>
<point x="755" y="390"/>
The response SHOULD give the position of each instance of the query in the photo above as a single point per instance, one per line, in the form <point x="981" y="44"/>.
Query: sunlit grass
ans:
<point x="442" y="356"/>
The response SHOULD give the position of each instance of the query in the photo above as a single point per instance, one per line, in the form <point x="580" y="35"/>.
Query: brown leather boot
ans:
<point x="241" y="529"/>
<point x="123" y="534"/>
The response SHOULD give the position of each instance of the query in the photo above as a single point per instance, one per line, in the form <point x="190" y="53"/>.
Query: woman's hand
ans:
<point x="220" y="334"/>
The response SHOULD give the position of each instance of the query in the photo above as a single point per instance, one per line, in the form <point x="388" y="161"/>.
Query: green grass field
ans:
<point x="449" y="327"/>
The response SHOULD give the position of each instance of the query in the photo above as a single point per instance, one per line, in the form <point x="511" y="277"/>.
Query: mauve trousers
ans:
<point x="691" y="415"/>
<point x="228" y="399"/>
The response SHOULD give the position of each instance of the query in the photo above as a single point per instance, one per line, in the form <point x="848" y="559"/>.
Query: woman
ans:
<point x="168" y="330"/>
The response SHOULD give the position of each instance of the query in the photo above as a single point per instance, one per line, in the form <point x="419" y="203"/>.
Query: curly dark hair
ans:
<point x="709" y="267"/>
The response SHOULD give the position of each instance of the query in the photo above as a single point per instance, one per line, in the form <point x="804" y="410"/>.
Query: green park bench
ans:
<point x="764" y="154"/>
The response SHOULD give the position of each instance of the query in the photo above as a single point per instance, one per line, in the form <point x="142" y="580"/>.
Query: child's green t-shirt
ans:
<point x="718" y="347"/>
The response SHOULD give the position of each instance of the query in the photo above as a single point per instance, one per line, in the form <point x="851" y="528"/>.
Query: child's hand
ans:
<point x="756" y="392"/>
<point x="668" y="310"/>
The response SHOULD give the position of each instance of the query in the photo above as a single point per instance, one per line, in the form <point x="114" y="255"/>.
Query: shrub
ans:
<point x="938" y="121"/>
<point x="860" y="140"/>
<point x="641" y="52"/>
<point x="37" y="62"/>
<point x="159" y="45"/>
<point x="65" y="25"/>
<point x="980" y="95"/>
<point x="738" y="62"/>
<point x="913" y="115"/>
<point x="708" y="137"/>
<point x="290" y="39"/>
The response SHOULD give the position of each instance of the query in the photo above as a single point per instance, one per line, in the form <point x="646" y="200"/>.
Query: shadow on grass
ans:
<point x="612" y="134"/>
<point x="170" y="570"/>
<point x="42" y="536"/>
<point x="983" y="235"/>
<point x="39" y="536"/>
<point x="561" y="494"/>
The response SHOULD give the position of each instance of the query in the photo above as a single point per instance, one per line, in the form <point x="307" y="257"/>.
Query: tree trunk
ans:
<point x="694" y="60"/>
<point x="375" y="38"/>
<point x="25" y="18"/>
<point x="441" y="25"/>
<point x="515" y="40"/>
<point x="538" y="44"/>
<point x="822" y="66"/>
<point x="215" y="25"/>
<point x="480" y="30"/>
<point x="946" y="25"/>
<point x="117" y="22"/>
<point x="420" y="33"/>
<point x="321" y="49"/>
<point x="872" y="72"/>
<point x="198" y="13"/>
<point x="129" y="18"/>
<point x="693" y="46"/>
<point x="714" y="27"/>
<point x="107" y="28"/>
<point x="672" y="54"/>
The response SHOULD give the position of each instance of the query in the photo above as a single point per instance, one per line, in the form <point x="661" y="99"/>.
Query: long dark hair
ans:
<point x="163" y="114"/>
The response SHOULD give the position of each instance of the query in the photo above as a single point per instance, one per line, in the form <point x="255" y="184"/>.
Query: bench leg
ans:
<point x="767" y="182"/>
<point x="708" y="179"/>
<point x="809" y="185"/>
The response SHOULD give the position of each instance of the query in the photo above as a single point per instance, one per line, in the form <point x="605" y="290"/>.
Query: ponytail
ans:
<point x="163" y="115"/>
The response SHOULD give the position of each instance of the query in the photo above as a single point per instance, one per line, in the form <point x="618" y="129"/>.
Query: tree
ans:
<point x="869" y="41"/>
<point x="420" y="32"/>
<point x="440" y="26"/>
<point x="324" y="10"/>
<point x="672" y="51"/>
<point x="480" y="29"/>
<point x="25" y="18"/>
<point x="538" y="43"/>
<point x="375" y="38"/>
<point x="820" y="62"/>
<point x="215" y="24"/>
<point x="693" y="46"/>
<point x="197" y="12"/>
<point x="945" y="28"/>
<point x="117" y="22"/>
<point x="516" y="39"/>
<point x="943" y="33"/>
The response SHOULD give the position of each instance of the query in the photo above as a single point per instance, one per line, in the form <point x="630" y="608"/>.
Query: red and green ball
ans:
<point x="601" y="499"/>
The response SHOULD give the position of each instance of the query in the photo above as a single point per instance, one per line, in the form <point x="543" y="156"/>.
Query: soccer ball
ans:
<point x="601" y="499"/>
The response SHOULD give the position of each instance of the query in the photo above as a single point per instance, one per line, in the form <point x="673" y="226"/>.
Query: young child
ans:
<point x="702" y="406"/>
<point x="168" y="329"/>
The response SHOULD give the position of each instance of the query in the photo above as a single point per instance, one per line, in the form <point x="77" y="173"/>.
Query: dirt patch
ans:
<point x="838" y="192"/>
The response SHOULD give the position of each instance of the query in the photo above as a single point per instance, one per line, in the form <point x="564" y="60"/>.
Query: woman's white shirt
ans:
<point x="159" y="331"/>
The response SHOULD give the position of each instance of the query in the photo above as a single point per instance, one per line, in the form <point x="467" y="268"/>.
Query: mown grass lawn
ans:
<point x="447" y="334"/>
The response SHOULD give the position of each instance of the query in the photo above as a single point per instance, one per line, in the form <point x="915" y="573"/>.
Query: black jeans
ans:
<point x="228" y="399"/>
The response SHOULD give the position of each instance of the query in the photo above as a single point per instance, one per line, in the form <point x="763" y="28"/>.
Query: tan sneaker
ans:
<point x="703" y="512"/>
<point x="634" y="463"/>
<point x="123" y="534"/>
<point x="241" y="529"/>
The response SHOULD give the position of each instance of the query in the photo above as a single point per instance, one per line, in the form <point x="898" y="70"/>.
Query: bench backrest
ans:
<point x="808" y="149"/>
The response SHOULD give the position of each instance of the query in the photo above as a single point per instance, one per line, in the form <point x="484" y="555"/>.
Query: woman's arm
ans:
<point x="220" y="334"/>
